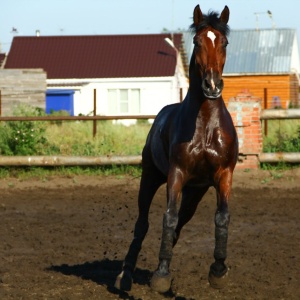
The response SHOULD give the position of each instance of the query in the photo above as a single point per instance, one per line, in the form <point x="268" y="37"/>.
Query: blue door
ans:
<point x="57" y="100"/>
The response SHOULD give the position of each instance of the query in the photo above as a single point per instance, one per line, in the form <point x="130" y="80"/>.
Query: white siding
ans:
<point x="155" y="93"/>
<point x="295" y="64"/>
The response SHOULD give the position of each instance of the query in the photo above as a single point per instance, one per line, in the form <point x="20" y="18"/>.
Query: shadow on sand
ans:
<point x="104" y="272"/>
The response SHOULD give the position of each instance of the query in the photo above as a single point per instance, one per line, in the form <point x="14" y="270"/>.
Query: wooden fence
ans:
<point x="133" y="160"/>
<point x="280" y="114"/>
<point x="22" y="86"/>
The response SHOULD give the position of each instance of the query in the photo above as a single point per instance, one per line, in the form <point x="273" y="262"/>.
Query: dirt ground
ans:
<point x="65" y="238"/>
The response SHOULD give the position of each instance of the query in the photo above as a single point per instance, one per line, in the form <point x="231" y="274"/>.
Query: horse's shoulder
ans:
<point x="168" y="109"/>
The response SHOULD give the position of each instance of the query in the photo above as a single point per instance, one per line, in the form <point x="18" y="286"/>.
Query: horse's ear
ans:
<point x="198" y="16"/>
<point x="225" y="15"/>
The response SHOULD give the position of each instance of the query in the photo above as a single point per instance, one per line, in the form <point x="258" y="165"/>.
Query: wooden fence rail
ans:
<point x="77" y="118"/>
<point x="53" y="161"/>
<point x="288" y="157"/>
<point x="266" y="114"/>
<point x="276" y="114"/>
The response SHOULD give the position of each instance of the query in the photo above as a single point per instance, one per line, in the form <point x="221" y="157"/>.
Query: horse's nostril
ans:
<point x="207" y="84"/>
<point x="220" y="84"/>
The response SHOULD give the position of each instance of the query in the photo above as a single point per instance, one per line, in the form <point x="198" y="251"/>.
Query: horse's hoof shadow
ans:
<point x="102" y="272"/>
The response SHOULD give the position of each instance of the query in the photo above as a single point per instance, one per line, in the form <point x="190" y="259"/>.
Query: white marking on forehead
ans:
<point x="212" y="36"/>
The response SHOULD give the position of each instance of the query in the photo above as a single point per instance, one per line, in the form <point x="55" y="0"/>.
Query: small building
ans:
<point x="265" y="62"/>
<point x="132" y="74"/>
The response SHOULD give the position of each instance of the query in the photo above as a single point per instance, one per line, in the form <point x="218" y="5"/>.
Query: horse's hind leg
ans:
<point x="191" y="196"/>
<point x="151" y="180"/>
<point x="218" y="270"/>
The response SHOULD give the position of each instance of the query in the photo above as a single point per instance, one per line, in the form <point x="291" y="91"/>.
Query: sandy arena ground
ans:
<point x="65" y="238"/>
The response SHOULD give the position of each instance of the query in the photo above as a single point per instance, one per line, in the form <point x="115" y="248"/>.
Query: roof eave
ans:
<point x="257" y="74"/>
<point x="113" y="79"/>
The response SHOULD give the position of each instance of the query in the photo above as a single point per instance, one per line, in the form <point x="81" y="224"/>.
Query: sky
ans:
<point x="93" y="17"/>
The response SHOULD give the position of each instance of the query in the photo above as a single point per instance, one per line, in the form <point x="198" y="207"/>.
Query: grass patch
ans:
<point x="69" y="137"/>
<point x="75" y="138"/>
<point x="283" y="136"/>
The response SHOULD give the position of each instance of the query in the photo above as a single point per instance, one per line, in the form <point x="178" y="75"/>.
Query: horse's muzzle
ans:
<point x="212" y="90"/>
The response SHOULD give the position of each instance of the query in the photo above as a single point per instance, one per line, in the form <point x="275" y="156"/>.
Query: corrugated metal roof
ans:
<point x="252" y="52"/>
<point x="262" y="51"/>
<point x="100" y="56"/>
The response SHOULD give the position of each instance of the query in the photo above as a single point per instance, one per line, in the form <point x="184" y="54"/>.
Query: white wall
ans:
<point x="155" y="93"/>
<point x="295" y="64"/>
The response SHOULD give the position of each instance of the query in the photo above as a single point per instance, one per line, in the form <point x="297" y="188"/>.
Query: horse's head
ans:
<point x="209" y="55"/>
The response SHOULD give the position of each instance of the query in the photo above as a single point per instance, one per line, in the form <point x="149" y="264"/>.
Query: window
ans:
<point x="123" y="97"/>
<point x="123" y="101"/>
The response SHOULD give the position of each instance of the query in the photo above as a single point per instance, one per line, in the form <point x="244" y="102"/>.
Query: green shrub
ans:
<point x="5" y="137"/>
<point x="59" y="113"/>
<point x="283" y="142"/>
<point x="23" y="137"/>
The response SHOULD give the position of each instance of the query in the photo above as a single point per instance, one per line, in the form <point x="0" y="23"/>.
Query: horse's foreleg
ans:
<point x="161" y="279"/>
<point x="218" y="270"/>
<point x="150" y="182"/>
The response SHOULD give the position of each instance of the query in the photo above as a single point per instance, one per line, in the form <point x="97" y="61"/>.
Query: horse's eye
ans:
<point x="195" y="42"/>
<point x="225" y="43"/>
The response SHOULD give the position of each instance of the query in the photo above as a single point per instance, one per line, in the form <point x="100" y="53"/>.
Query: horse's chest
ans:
<point x="208" y="148"/>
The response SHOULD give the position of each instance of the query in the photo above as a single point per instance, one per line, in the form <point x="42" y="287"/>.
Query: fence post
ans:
<point x="265" y="107"/>
<point x="95" y="110"/>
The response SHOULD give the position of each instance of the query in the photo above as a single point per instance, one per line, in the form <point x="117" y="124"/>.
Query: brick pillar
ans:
<point x="245" y="112"/>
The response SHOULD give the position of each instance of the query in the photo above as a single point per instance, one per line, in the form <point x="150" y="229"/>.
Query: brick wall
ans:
<point x="245" y="112"/>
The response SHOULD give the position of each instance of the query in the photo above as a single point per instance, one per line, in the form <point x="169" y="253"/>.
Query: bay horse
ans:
<point x="191" y="146"/>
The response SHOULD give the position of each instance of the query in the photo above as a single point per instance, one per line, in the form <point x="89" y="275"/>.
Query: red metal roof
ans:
<point x="95" y="56"/>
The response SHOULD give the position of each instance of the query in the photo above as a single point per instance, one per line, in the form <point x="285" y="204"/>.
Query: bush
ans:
<point x="282" y="142"/>
<point x="5" y="139"/>
<point x="23" y="137"/>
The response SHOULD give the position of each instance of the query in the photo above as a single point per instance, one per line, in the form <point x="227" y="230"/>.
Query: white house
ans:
<point x="132" y="74"/>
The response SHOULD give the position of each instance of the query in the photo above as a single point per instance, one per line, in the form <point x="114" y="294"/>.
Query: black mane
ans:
<point x="211" y="19"/>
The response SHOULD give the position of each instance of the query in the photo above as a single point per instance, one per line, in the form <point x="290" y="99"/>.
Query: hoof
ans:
<point x="217" y="282"/>
<point x="124" y="281"/>
<point x="161" y="283"/>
